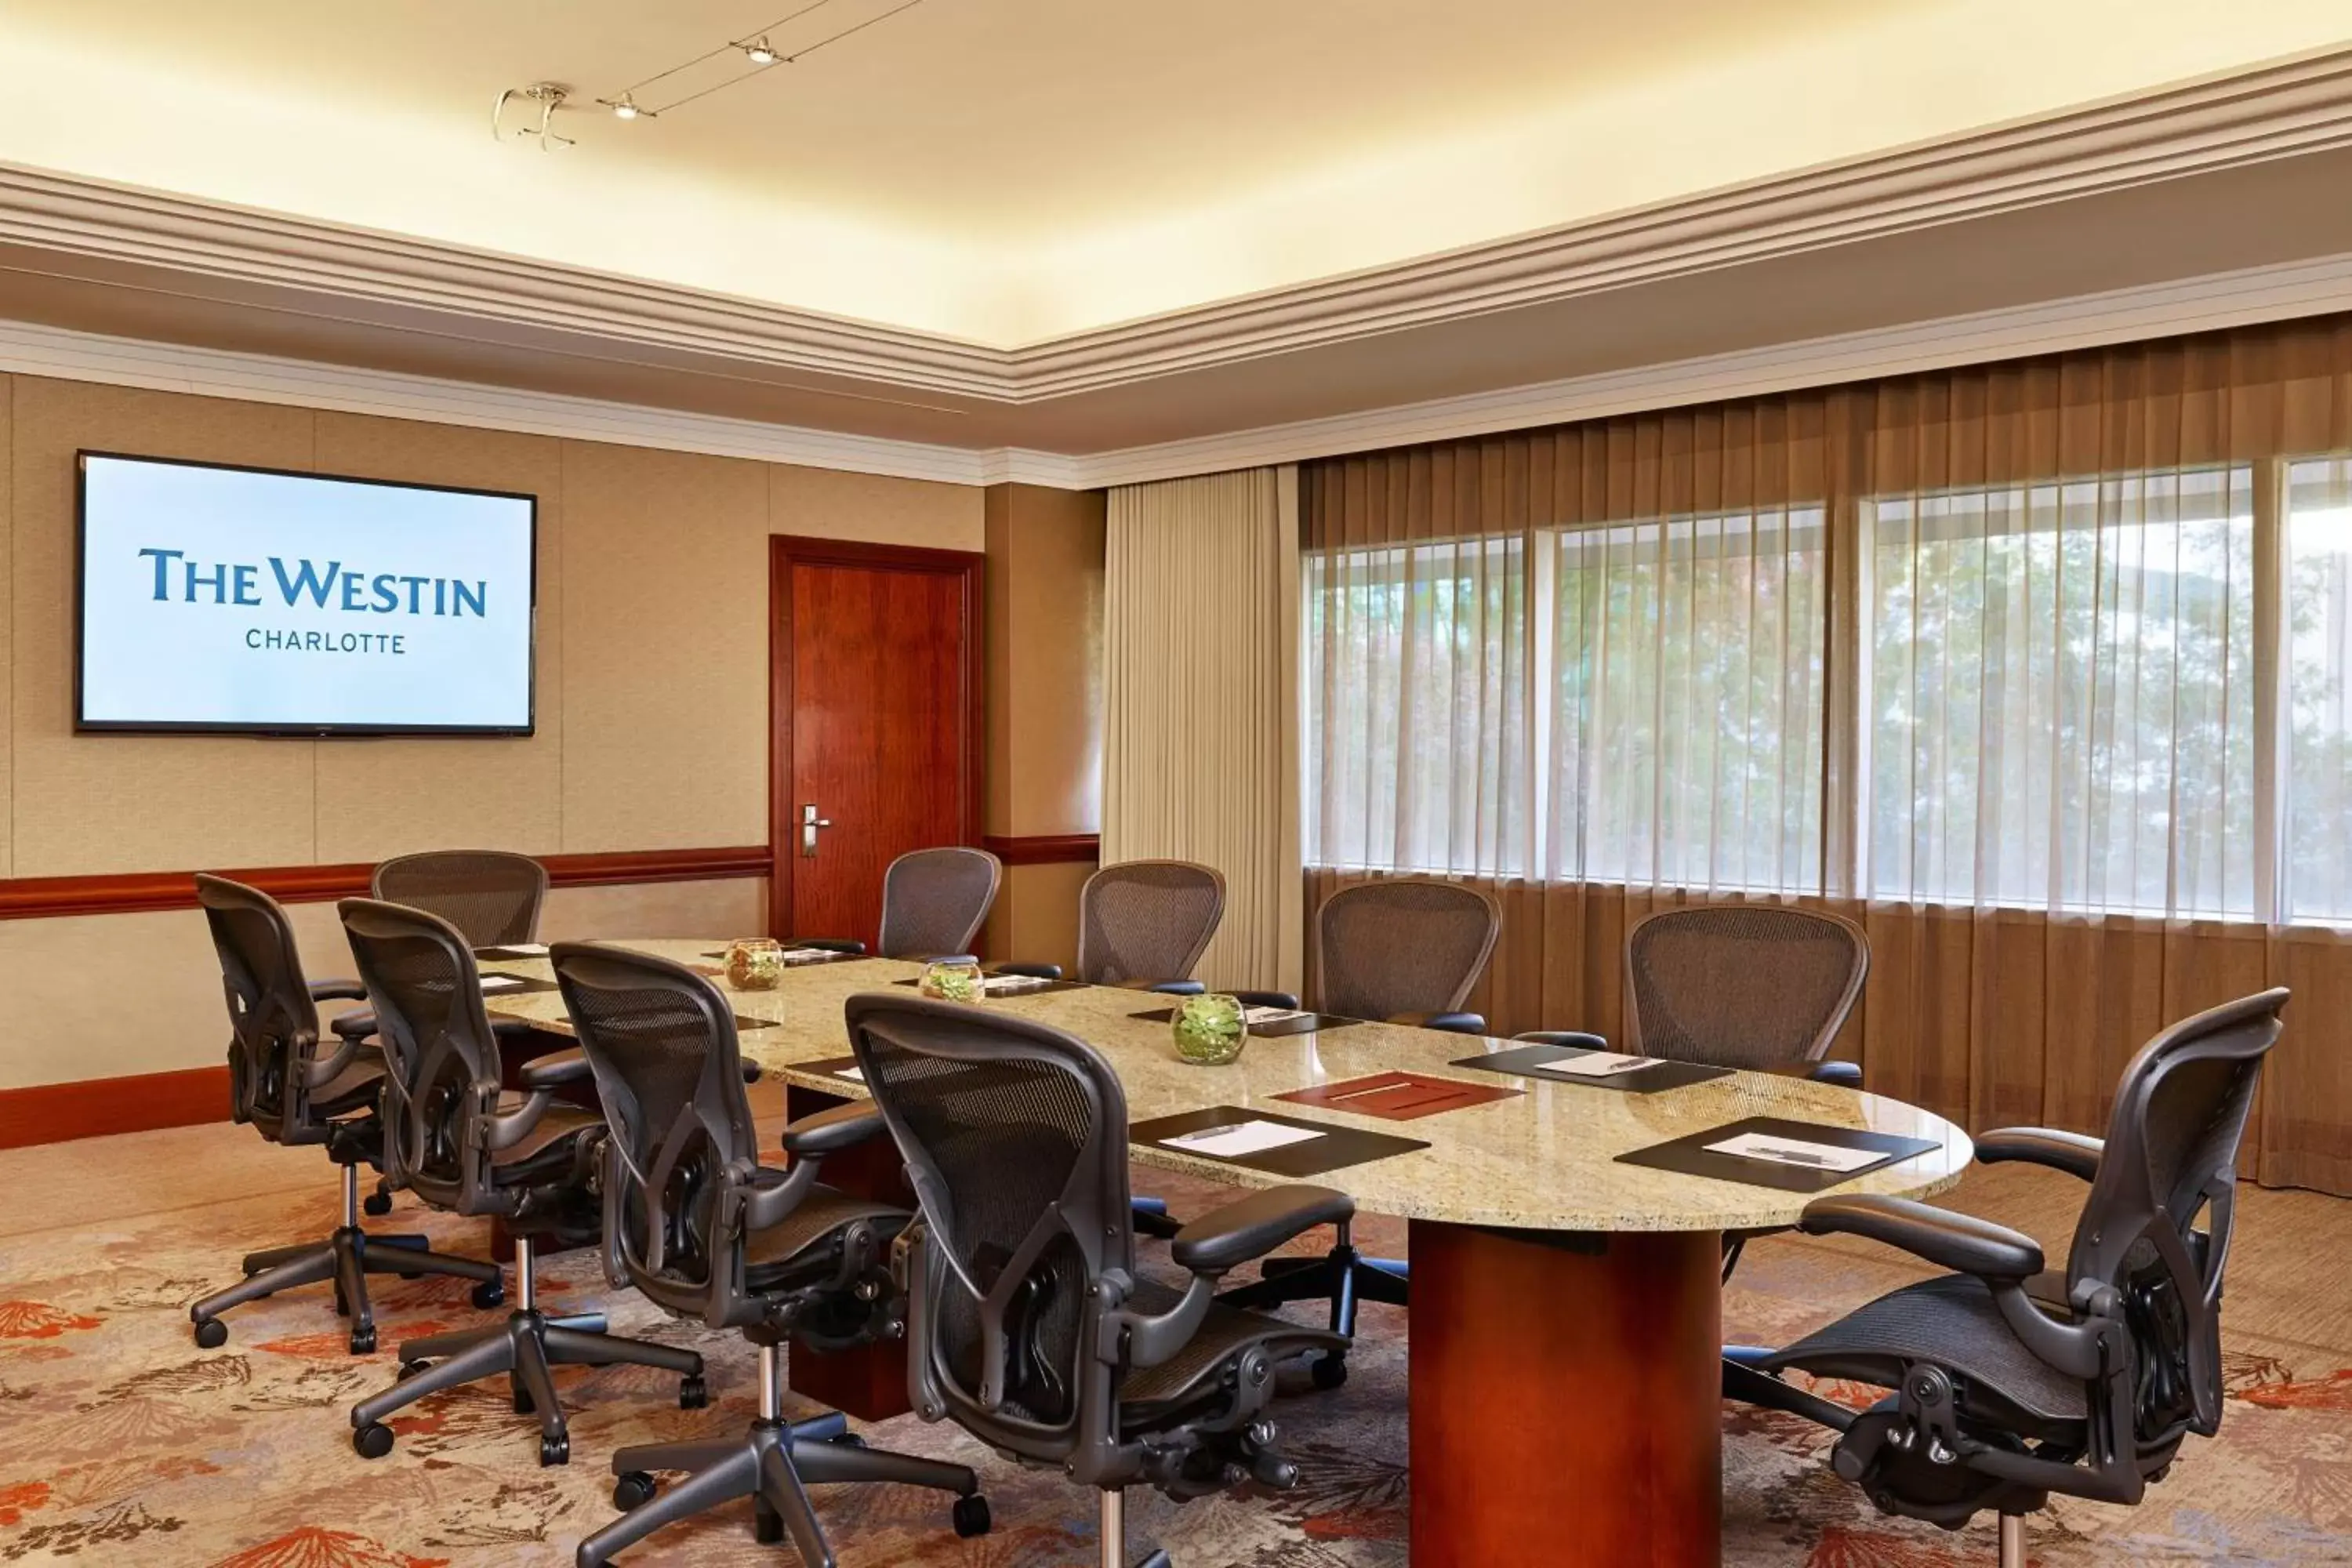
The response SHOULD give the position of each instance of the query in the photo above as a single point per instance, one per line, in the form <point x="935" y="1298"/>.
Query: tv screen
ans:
<point x="242" y="600"/>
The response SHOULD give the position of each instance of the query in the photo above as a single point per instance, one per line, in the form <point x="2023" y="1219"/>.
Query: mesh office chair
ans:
<point x="452" y="1139"/>
<point x="694" y="1221"/>
<point x="1027" y="1323"/>
<point x="2010" y="1385"/>
<point x="934" y="902"/>
<point x="291" y="1095"/>
<point x="1144" y="924"/>
<point x="492" y="896"/>
<point x="1757" y="986"/>
<point x="1406" y="950"/>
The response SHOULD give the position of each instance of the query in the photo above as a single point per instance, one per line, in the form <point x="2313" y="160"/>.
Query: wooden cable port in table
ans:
<point x="1566" y="1306"/>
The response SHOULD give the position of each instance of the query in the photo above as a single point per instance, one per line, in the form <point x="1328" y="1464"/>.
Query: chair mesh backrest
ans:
<point x="669" y="1073"/>
<point x="1014" y="1135"/>
<point x="1147" y="919"/>
<point x="933" y="900"/>
<point x="2170" y="1161"/>
<point x="1741" y="986"/>
<point x="1406" y="945"/>
<point x="273" y="1023"/>
<point x="441" y="1059"/>
<point x="492" y="896"/>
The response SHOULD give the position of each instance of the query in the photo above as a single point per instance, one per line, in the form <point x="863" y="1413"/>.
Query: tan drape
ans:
<point x="1997" y="1007"/>
<point x="1201" y="758"/>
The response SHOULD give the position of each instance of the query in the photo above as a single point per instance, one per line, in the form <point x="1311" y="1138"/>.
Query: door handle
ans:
<point x="809" y="823"/>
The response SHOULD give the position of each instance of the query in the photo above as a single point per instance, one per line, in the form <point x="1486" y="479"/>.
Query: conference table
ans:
<point x="1566" y="1319"/>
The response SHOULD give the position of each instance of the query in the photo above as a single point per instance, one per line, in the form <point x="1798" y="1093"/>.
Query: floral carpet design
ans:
<point x="121" y="1444"/>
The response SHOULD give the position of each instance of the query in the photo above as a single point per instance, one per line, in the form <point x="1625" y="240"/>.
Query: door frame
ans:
<point x="786" y="550"/>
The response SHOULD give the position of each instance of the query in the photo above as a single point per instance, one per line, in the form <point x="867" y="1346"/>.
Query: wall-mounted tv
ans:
<point x="249" y="601"/>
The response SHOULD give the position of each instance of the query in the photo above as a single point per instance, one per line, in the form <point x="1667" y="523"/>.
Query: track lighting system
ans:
<point x="757" y="50"/>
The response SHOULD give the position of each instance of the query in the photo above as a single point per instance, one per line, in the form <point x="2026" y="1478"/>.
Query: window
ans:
<point x="2319" y="815"/>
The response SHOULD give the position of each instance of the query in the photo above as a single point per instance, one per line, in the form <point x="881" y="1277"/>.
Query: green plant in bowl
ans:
<point x="1210" y="1031"/>
<point x="953" y="980"/>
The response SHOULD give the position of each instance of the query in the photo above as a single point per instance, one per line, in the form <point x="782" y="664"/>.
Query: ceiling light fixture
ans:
<point x="759" y="52"/>
<point x="550" y="96"/>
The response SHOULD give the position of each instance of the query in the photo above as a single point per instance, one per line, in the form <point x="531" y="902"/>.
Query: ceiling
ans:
<point x="1009" y="171"/>
<point x="1082" y="227"/>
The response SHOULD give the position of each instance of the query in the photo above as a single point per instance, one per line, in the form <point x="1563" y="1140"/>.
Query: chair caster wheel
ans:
<point x="693" y="1394"/>
<point x="523" y="1403"/>
<point x="491" y="1293"/>
<point x="971" y="1516"/>
<point x="211" y="1334"/>
<point x="1328" y="1372"/>
<point x="847" y="1440"/>
<point x="555" y="1451"/>
<point x="363" y="1341"/>
<point x="767" y="1524"/>
<point x="633" y="1490"/>
<point x="409" y="1369"/>
<point x="373" y="1441"/>
<point x="377" y="1204"/>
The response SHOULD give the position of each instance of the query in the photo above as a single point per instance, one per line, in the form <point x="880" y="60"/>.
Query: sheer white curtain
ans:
<point x="2318" y="623"/>
<point x="2061" y="695"/>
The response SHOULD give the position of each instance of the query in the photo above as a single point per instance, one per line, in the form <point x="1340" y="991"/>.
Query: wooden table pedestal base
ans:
<point x="870" y="1380"/>
<point x="1566" y="1398"/>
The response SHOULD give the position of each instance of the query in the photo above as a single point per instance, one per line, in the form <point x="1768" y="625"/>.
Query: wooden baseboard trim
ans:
<point x="94" y="1108"/>
<point x="1045" y="849"/>
<point x="48" y="898"/>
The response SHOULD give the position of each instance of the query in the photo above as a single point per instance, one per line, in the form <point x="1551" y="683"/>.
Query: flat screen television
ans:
<point x="222" y="600"/>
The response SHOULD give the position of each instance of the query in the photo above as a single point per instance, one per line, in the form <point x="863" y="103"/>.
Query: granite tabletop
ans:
<point x="1545" y="1159"/>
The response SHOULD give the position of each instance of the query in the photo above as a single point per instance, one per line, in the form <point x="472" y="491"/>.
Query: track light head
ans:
<point x="760" y="52"/>
<point x="625" y="108"/>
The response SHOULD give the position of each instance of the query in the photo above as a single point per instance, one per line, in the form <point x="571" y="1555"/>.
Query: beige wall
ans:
<point x="652" y="703"/>
<point x="1045" y="705"/>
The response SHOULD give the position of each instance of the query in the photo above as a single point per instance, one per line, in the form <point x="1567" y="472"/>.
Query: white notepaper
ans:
<point x="500" y="983"/>
<point x="1598" y="1064"/>
<point x="856" y="1073"/>
<point x="807" y="955"/>
<point x="1796" y="1152"/>
<point x="1014" y="983"/>
<point x="535" y="949"/>
<point x="1269" y="1015"/>
<point x="1240" y="1138"/>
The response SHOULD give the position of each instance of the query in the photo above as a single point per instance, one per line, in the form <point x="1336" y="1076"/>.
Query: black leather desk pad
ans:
<point x="1301" y="1024"/>
<point x="1043" y="988"/>
<point x="801" y="963"/>
<point x="1338" y="1148"/>
<point x="1527" y="1062"/>
<point x="524" y="985"/>
<point x="1690" y="1156"/>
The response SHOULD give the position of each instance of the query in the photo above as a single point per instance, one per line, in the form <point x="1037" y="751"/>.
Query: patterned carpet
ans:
<point x="121" y="1444"/>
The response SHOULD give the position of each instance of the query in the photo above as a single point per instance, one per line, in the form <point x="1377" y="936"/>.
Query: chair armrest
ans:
<point x="827" y="944"/>
<point x="1576" y="1037"/>
<point x="355" y="1026"/>
<point x="1035" y="971"/>
<point x="1956" y="1241"/>
<point x="555" y="1070"/>
<point x="1844" y="1075"/>
<point x="752" y="1073"/>
<point x="1451" y="1022"/>
<point x="1255" y="1225"/>
<point x="2071" y="1152"/>
<point x="767" y="1195"/>
<point x="338" y="991"/>
<point x="1264" y="999"/>
<point x="831" y="1132"/>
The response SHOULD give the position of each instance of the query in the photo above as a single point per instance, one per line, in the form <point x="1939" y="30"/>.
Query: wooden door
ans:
<point x="875" y="655"/>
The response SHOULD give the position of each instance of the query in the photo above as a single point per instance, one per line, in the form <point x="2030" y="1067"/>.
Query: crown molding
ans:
<point x="28" y="349"/>
<point x="2211" y="303"/>
<point x="2202" y="304"/>
<point x="2297" y="105"/>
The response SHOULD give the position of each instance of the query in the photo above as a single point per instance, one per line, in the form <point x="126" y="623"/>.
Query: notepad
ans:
<point x="858" y="1074"/>
<point x="1269" y="1015"/>
<point x="1237" y="1138"/>
<point x="1002" y="983"/>
<point x="1596" y="1063"/>
<point x="1797" y="1152"/>
<point x="502" y="983"/>
<point x="809" y="954"/>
